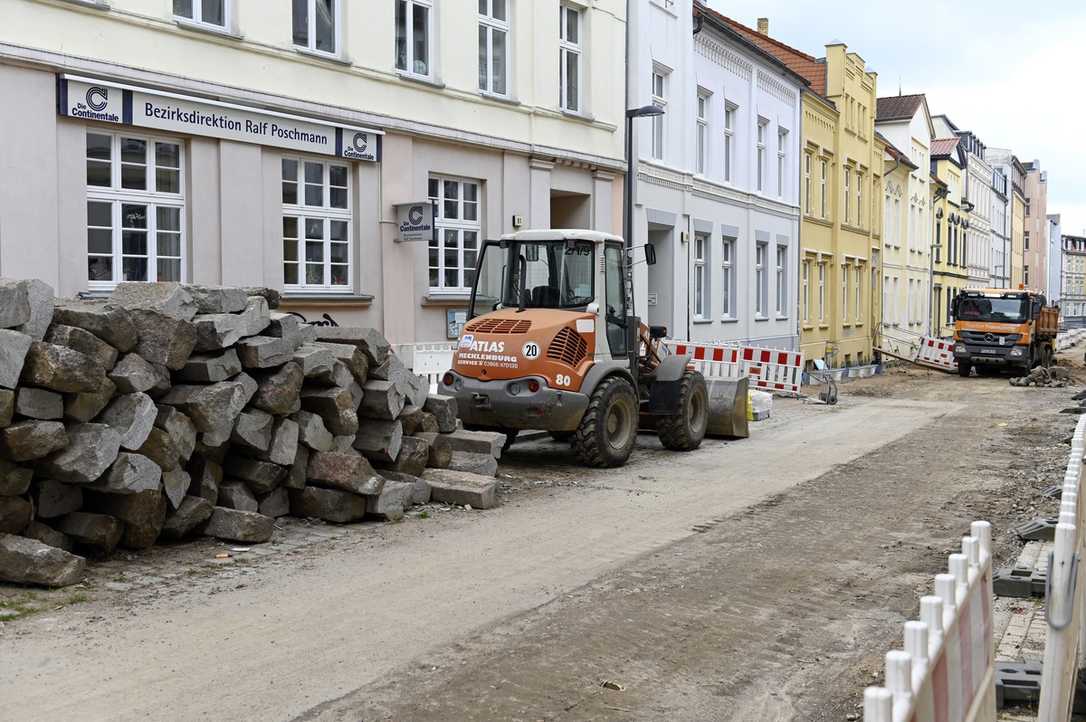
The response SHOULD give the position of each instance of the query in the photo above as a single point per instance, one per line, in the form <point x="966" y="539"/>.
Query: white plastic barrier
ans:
<point x="1065" y="646"/>
<point x="1070" y="338"/>
<point x="946" y="672"/>
<point x="768" y="369"/>
<point x="936" y="352"/>
<point x="431" y="360"/>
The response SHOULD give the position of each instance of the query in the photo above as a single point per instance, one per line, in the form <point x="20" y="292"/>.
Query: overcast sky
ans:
<point x="1007" y="70"/>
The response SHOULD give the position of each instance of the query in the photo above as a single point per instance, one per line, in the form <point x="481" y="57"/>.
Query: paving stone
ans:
<point x="298" y="471"/>
<point x="84" y="342"/>
<point x="263" y="352"/>
<point x="460" y="488"/>
<point x="40" y="296"/>
<point x="275" y="504"/>
<point x="262" y="477"/>
<point x="444" y="410"/>
<point x="47" y="535"/>
<point x="7" y="407"/>
<point x="378" y="440"/>
<point x="61" y="369"/>
<point x="284" y="325"/>
<point x="256" y="316"/>
<point x="169" y="299"/>
<point x="39" y="404"/>
<point x="190" y="516"/>
<point x="85" y="407"/>
<point x="130" y="474"/>
<point x="339" y="375"/>
<point x="15" y="514"/>
<point x="414" y="453"/>
<point x="217" y="331"/>
<point x="393" y="500"/>
<point x="160" y="448"/>
<point x="92" y="448"/>
<point x="312" y="431"/>
<point x="29" y="440"/>
<point x="421" y="494"/>
<point x="417" y="421"/>
<point x="477" y="442"/>
<point x="54" y="499"/>
<point x="338" y="507"/>
<point x="164" y="339"/>
<point x="14" y="303"/>
<point x="132" y="374"/>
<point x="211" y="367"/>
<point x="132" y="416"/>
<point x="370" y="340"/>
<point x="418" y="390"/>
<point x="100" y="532"/>
<point x="212" y="407"/>
<point x="14" y="479"/>
<point x="241" y="526"/>
<point x="218" y="299"/>
<point x="482" y="464"/>
<point x="109" y="322"/>
<point x="253" y="430"/>
<point x="29" y="561"/>
<point x="283" y="447"/>
<point x="13" y="350"/>
<point x="143" y="515"/>
<point x="344" y="470"/>
<point x="206" y="475"/>
<point x="236" y="495"/>
<point x="350" y="356"/>
<point x="440" y="452"/>
<point x="280" y="391"/>
<point x="382" y="400"/>
<point x="335" y="407"/>
<point x="314" y="360"/>
<point x="176" y="485"/>
<point x="179" y="428"/>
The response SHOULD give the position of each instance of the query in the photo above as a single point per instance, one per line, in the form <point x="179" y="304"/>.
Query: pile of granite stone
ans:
<point x="168" y="411"/>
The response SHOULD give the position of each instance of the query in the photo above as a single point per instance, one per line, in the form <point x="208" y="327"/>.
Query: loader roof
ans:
<point x="560" y="234"/>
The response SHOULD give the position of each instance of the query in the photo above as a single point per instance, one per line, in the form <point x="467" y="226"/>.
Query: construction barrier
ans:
<point x="768" y="369"/>
<point x="937" y="352"/>
<point x="1070" y="338"/>
<point x="946" y="672"/>
<point x="431" y="360"/>
<point x="1066" y="641"/>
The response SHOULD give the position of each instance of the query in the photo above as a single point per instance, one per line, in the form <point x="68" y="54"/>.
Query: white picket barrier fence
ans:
<point x="937" y="352"/>
<point x="946" y="672"/>
<point x="1070" y="338"/>
<point x="1066" y="641"/>
<point x="431" y="360"/>
<point x="768" y="369"/>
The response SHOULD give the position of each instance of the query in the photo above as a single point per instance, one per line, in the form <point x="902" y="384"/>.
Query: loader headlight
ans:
<point x="1017" y="351"/>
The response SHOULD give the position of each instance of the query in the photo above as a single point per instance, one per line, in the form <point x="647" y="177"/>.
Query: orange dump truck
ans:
<point x="1000" y="327"/>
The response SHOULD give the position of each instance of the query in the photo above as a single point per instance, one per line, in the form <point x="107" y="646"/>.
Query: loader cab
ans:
<point x="574" y="272"/>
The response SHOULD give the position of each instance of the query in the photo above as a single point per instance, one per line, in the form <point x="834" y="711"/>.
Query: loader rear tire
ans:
<point x="685" y="430"/>
<point x="608" y="428"/>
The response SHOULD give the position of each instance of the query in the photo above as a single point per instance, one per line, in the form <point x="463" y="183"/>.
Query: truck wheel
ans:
<point x="608" y="428"/>
<point x="964" y="367"/>
<point x="685" y="430"/>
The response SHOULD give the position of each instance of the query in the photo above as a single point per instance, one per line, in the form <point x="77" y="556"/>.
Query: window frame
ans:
<point x="311" y="30"/>
<point x="844" y="292"/>
<point x="702" y="127"/>
<point x="821" y="292"/>
<point x="409" y="45"/>
<point x="727" y="278"/>
<point x="327" y="214"/>
<point x="492" y="25"/>
<point x="197" y="17"/>
<point x="859" y="198"/>
<point x="848" y="194"/>
<point x="781" y="277"/>
<point x="824" y="181"/>
<point x="760" y="146"/>
<point x="805" y="275"/>
<point x="858" y="272"/>
<point x="461" y="226"/>
<point x="807" y="157"/>
<point x="118" y="196"/>
<point x="701" y="287"/>
<point x="761" y="279"/>
<point x="731" y="112"/>
<point x="782" y="160"/>
<point x="567" y="48"/>
<point x="660" y="82"/>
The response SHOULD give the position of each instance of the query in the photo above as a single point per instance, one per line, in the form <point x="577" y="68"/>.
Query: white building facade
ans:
<point x="259" y="142"/>
<point x="1001" y="229"/>
<point x="1054" y="263"/>
<point x="718" y="179"/>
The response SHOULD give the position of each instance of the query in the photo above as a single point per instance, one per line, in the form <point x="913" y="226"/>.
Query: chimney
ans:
<point x="763" y="26"/>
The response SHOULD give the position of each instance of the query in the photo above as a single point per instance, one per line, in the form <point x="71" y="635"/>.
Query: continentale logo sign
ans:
<point x="358" y="147"/>
<point x="94" y="105"/>
<point x="416" y="221"/>
<point x="97" y="98"/>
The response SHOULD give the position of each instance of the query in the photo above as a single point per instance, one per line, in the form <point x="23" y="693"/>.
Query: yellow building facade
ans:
<point x="950" y="272"/>
<point x="1018" y="238"/>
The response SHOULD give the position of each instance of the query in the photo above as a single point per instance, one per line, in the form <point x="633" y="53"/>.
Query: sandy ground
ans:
<point x="753" y="580"/>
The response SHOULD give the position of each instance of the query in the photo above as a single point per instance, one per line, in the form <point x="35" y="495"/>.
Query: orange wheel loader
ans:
<point x="551" y="343"/>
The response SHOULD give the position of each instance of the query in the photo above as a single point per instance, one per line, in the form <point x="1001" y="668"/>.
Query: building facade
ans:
<point x="1073" y="280"/>
<point x="976" y="202"/>
<point x="251" y="143"/>
<point x="1035" y="233"/>
<point x="842" y="164"/>
<point x="1054" y="262"/>
<point x="718" y="191"/>
<point x="949" y="267"/>
<point x="1001" y="230"/>
<point x="906" y="123"/>
<point x="1005" y="164"/>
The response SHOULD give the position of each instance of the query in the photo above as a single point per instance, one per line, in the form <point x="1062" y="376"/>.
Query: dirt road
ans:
<point x="756" y="580"/>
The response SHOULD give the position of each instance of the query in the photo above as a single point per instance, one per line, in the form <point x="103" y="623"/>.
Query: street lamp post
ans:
<point x="646" y="111"/>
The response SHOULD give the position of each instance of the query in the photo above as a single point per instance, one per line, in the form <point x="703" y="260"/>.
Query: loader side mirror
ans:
<point x="657" y="331"/>
<point x="650" y="254"/>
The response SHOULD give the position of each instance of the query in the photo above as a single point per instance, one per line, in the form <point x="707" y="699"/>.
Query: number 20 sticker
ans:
<point x="530" y="350"/>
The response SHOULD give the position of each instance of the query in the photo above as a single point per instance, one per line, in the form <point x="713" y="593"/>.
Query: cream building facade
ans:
<point x="1035" y="239"/>
<point x="270" y="143"/>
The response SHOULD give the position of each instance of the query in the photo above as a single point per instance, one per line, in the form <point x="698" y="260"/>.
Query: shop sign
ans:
<point x="415" y="221"/>
<point x="143" y="108"/>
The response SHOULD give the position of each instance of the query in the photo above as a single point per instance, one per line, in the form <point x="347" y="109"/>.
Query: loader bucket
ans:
<point x="728" y="401"/>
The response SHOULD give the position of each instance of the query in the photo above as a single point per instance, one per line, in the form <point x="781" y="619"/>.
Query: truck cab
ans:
<point x="1005" y="328"/>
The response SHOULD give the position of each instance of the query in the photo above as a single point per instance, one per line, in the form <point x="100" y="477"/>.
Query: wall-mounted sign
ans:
<point x="108" y="102"/>
<point x="415" y="221"/>
<point x="455" y="320"/>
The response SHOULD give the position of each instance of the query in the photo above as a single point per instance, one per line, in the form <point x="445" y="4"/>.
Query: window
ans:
<point x="822" y="195"/>
<point x="859" y="199"/>
<point x="700" y="243"/>
<point x="938" y="242"/>
<point x="1027" y="240"/>
<point x="848" y="195"/>
<point x="762" y="124"/>
<point x="569" y="56"/>
<point x="807" y="183"/>
<point x="135" y="210"/>
<point x="887" y="309"/>
<point x="782" y="280"/>
<point x="806" y="290"/>
<point x="316" y="224"/>
<point x="413" y="37"/>
<point x="761" y="296"/>
<point x="858" y="271"/>
<point x="822" y="291"/>
<point x="452" y="257"/>
<point x="729" y="139"/>
<point x="727" y="284"/>
<point x="659" y="99"/>
<point x="205" y="12"/>
<point x="844" y="293"/>
<point x="782" y="160"/>
<point x="316" y="25"/>
<point x="493" y="46"/>
<point x="703" y="130"/>
<point x="1025" y="275"/>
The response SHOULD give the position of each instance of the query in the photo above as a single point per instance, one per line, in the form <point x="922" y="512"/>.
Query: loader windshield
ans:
<point x="549" y="274"/>
<point x="994" y="310"/>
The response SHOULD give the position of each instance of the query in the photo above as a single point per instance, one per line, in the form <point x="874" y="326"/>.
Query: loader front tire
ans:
<point x="608" y="429"/>
<point x="684" y="430"/>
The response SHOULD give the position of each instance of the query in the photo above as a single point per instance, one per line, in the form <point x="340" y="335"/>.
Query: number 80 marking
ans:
<point x="562" y="380"/>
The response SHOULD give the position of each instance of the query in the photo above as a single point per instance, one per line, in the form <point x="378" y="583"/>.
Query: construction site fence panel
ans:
<point x="946" y="670"/>
<point x="1066" y="640"/>
<point x="1070" y="338"/>
<point x="768" y="369"/>
<point x="431" y="360"/>
<point x="937" y="352"/>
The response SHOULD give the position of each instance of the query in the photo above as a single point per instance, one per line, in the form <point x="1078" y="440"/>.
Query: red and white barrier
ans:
<point x="946" y="672"/>
<point x="936" y="352"/>
<point x="1065" y="645"/>
<point x="768" y="369"/>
